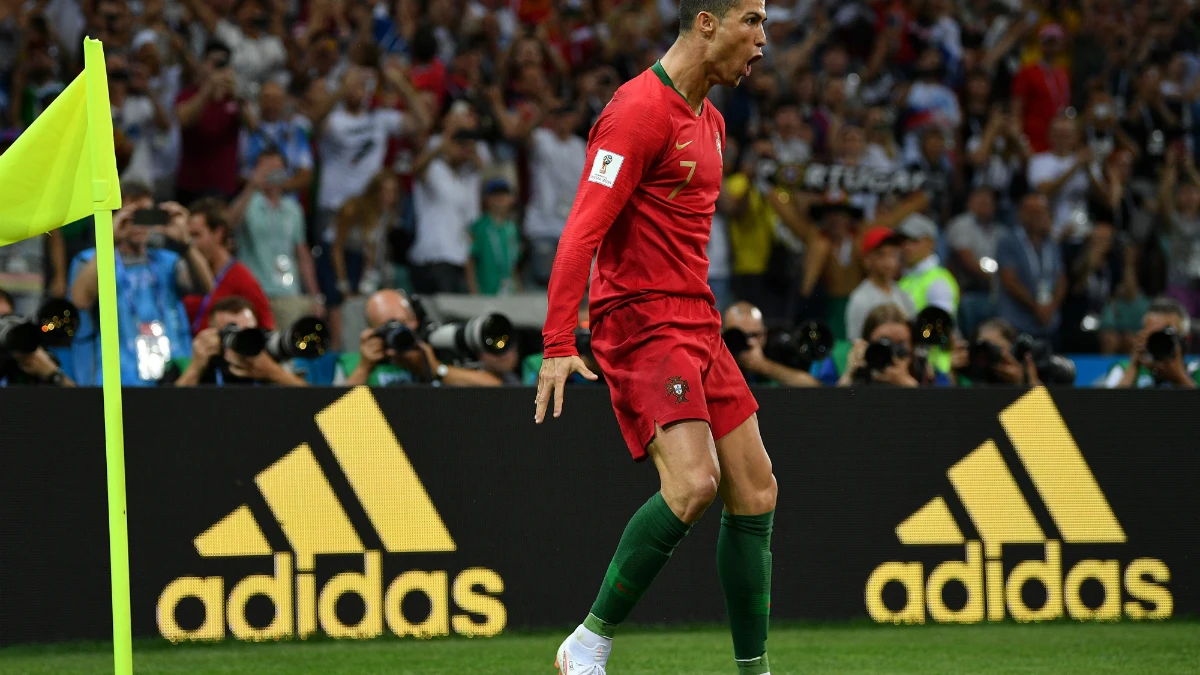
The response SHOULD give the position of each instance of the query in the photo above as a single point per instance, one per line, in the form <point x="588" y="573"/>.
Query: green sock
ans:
<point x="649" y="539"/>
<point x="744" y="567"/>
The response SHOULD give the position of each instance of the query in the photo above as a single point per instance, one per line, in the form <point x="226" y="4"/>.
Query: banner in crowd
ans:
<point x="818" y="177"/>
<point x="268" y="514"/>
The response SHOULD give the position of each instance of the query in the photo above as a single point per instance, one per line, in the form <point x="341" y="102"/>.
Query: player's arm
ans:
<point x="627" y="139"/>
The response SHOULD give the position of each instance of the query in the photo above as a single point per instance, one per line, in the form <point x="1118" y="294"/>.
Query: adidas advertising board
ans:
<point x="285" y="514"/>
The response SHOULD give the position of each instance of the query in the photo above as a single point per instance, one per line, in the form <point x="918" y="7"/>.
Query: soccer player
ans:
<point x="646" y="200"/>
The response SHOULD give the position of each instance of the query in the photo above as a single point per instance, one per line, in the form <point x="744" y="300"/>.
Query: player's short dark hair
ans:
<point x="213" y="210"/>
<point x="233" y="304"/>
<point x="690" y="9"/>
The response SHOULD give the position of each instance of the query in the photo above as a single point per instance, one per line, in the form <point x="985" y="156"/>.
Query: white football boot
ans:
<point x="574" y="657"/>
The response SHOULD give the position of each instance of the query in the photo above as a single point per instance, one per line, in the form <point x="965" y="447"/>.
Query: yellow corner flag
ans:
<point x="61" y="169"/>
<point x="49" y="174"/>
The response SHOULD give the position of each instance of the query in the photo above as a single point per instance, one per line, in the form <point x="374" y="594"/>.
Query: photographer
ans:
<point x="989" y="358"/>
<point x="379" y="365"/>
<point x="26" y="369"/>
<point x="1157" y="358"/>
<point x="759" y="369"/>
<point x="214" y="360"/>
<point x="156" y="266"/>
<point x="886" y="354"/>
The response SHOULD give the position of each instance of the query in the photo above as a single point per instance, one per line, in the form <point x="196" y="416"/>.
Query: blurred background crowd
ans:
<point x="918" y="192"/>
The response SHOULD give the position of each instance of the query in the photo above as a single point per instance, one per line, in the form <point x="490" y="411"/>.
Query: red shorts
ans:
<point x="665" y="361"/>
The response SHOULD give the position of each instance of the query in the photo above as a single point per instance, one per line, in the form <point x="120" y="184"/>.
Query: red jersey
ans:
<point x="208" y="158"/>
<point x="236" y="279"/>
<point x="1046" y="92"/>
<point x="646" y="199"/>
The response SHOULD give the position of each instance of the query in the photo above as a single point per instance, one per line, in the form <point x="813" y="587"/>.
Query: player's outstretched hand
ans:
<point x="552" y="379"/>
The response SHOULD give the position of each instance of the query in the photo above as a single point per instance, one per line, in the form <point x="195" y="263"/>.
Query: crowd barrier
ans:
<point x="264" y="514"/>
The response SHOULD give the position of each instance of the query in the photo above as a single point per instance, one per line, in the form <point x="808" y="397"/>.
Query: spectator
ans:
<point x="495" y="243"/>
<point x="1109" y="199"/>
<point x="925" y="280"/>
<point x="256" y="41"/>
<point x="210" y="116"/>
<point x="151" y="282"/>
<point x="379" y="365"/>
<point x="555" y="165"/>
<point x="1179" y="203"/>
<point x="360" y="244"/>
<point x="881" y="258"/>
<point x="934" y="161"/>
<point x="1061" y="174"/>
<point x="447" y="200"/>
<point x="352" y="141"/>
<point x="751" y="224"/>
<point x="288" y="135"/>
<point x="929" y="103"/>
<point x="1101" y="126"/>
<point x="1152" y="124"/>
<point x="36" y="368"/>
<point x="997" y="149"/>
<point x="1032" y="280"/>
<point x="1042" y="90"/>
<point x="745" y="317"/>
<point x="972" y="238"/>
<point x="1094" y="272"/>
<point x="269" y="229"/>
<point x="1164" y="316"/>
<point x="214" y="362"/>
<point x="209" y="232"/>
<point x="139" y="121"/>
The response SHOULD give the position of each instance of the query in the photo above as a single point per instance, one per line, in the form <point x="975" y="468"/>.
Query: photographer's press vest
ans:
<point x="917" y="286"/>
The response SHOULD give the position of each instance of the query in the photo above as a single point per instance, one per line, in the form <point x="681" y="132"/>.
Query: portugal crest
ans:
<point x="678" y="387"/>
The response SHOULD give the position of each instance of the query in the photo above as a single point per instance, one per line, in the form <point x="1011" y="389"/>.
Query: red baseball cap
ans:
<point x="879" y="236"/>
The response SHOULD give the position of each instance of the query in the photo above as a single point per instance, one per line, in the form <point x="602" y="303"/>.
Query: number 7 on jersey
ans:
<point x="691" y="164"/>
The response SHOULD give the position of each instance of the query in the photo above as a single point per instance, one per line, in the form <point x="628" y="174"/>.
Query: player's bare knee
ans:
<point x="699" y="492"/>
<point x="764" y="498"/>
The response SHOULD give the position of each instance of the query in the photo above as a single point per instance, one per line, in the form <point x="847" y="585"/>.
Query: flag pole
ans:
<point x="99" y="142"/>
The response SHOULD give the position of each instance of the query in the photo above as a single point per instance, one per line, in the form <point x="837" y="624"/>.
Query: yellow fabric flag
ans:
<point x="46" y="176"/>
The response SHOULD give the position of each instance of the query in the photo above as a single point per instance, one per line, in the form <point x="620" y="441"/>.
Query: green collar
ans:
<point x="666" y="79"/>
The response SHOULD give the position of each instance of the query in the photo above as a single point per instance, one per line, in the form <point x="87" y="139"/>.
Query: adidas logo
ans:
<point x="1001" y="516"/>
<point x="300" y="497"/>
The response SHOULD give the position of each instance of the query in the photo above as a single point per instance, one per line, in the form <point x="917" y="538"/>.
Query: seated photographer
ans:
<point x="1158" y="351"/>
<point x="885" y="354"/>
<point x="20" y="366"/>
<point x="990" y="359"/>
<point x="748" y="349"/>
<point x="219" y="352"/>
<point x="379" y="364"/>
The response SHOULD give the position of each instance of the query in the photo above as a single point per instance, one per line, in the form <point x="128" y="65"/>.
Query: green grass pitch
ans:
<point x="841" y="649"/>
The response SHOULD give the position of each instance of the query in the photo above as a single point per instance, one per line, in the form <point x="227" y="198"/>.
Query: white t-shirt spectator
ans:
<point x="1046" y="167"/>
<point x="135" y="120"/>
<point x="446" y="201"/>
<point x="867" y="297"/>
<point x="555" y="166"/>
<point x="253" y="59"/>
<point x="352" y="149"/>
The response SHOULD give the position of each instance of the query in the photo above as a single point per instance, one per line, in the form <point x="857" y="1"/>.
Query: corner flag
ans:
<point x="48" y="174"/>
<point x="59" y="170"/>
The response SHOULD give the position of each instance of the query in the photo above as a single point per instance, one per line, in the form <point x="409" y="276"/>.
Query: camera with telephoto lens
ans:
<point x="797" y="348"/>
<point x="881" y="353"/>
<point x="1164" y="344"/>
<point x="1052" y="369"/>
<point x="491" y="333"/>
<point x="53" y="325"/>
<point x="305" y="339"/>
<point x="933" y="328"/>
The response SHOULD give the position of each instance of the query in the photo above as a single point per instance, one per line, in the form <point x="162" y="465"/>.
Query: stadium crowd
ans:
<point x="1027" y="166"/>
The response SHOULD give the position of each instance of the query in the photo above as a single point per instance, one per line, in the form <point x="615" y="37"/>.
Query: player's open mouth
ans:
<point x="746" y="70"/>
